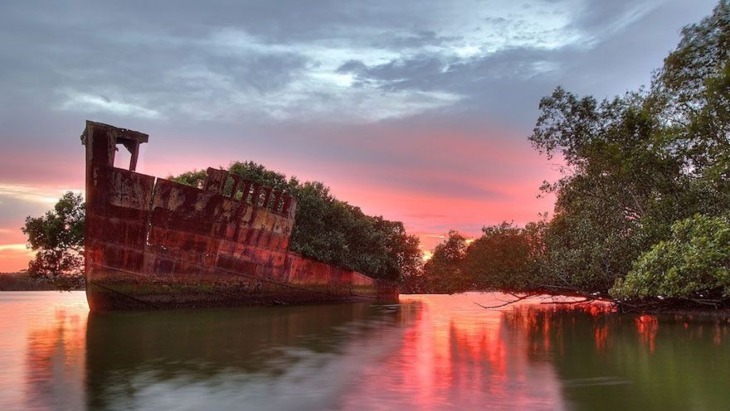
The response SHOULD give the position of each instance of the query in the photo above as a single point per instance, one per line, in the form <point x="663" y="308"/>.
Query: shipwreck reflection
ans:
<point x="222" y="355"/>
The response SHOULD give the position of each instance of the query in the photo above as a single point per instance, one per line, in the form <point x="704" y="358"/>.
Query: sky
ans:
<point x="418" y="111"/>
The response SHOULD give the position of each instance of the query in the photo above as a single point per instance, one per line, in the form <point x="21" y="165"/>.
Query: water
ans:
<point x="427" y="353"/>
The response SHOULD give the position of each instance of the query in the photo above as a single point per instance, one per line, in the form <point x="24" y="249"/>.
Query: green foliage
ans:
<point x="248" y="170"/>
<point x="443" y="271"/>
<point x="194" y="178"/>
<point x="614" y="180"/>
<point x="58" y="240"/>
<point x="692" y="95"/>
<point x="259" y="174"/>
<point x="338" y="233"/>
<point x="333" y="231"/>
<point x="694" y="263"/>
<point x="635" y="164"/>
<point x="505" y="257"/>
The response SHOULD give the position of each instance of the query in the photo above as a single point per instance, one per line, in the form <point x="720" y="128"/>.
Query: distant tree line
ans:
<point x="504" y="258"/>
<point x="21" y="281"/>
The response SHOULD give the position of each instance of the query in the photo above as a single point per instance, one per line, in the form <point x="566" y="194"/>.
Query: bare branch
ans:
<point x="518" y="298"/>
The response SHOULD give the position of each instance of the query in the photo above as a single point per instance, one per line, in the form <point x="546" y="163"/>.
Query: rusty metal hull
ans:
<point x="153" y="243"/>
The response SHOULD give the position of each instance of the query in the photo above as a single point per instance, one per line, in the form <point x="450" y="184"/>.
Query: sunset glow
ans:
<point x="416" y="112"/>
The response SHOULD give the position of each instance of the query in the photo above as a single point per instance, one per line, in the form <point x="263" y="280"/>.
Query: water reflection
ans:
<point x="270" y="357"/>
<point x="641" y="362"/>
<point x="42" y="350"/>
<point x="457" y="355"/>
<point x="55" y="362"/>
<point x="427" y="353"/>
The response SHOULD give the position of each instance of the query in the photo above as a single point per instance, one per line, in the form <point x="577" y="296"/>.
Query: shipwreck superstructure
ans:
<point x="154" y="243"/>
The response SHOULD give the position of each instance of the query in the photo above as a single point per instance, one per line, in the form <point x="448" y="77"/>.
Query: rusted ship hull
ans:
<point x="153" y="243"/>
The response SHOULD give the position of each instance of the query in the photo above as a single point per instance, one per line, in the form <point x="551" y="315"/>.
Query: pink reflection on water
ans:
<point x="647" y="327"/>
<point x="43" y="364"/>
<point x="457" y="355"/>
<point x="55" y="360"/>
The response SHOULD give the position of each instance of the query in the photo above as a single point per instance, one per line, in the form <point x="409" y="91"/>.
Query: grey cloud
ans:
<point x="417" y="73"/>
<point x="139" y="53"/>
<point x="130" y="53"/>
<point x="353" y="66"/>
<point x="508" y="84"/>
<point x="263" y="72"/>
<point x="500" y="83"/>
<point x="597" y="16"/>
<point x="413" y="40"/>
<point x="275" y="21"/>
<point x="60" y="64"/>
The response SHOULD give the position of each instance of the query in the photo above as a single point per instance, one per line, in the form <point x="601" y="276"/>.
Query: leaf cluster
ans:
<point x="694" y="263"/>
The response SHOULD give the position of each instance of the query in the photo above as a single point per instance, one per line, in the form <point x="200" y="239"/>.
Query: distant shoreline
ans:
<point x="21" y="281"/>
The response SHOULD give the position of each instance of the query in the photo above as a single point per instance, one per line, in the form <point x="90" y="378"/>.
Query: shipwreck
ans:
<point x="152" y="243"/>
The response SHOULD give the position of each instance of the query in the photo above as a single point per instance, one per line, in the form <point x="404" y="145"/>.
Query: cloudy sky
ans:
<point x="418" y="111"/>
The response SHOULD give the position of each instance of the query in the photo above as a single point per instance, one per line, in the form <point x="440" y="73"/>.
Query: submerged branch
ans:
<point x="551" y="292"/>
<point x="583" y="301"/>
<point x="518" y="298"/>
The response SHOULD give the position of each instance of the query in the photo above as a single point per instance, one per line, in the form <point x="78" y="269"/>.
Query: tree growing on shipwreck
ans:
<point x="333" y="231"/>
<point x="326" y="229"/>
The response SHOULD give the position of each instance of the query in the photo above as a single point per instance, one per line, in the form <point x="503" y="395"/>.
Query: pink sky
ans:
<point x="419" y="197"/>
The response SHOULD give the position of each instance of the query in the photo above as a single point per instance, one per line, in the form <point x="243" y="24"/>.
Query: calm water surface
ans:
<point x="427" y="353"/>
